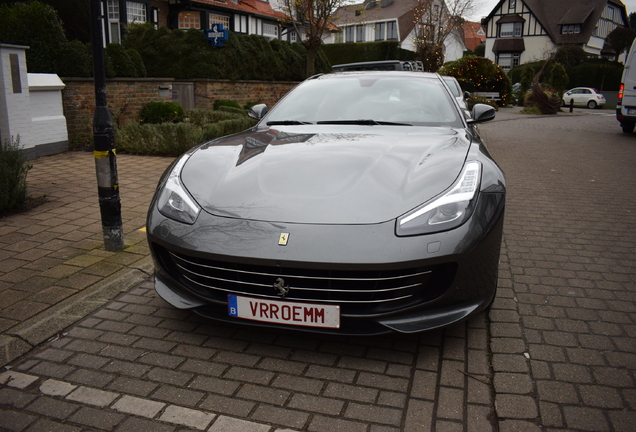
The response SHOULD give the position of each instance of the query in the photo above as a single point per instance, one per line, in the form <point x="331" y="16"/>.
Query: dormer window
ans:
<point x="571" y="29"/>
<point x="510" y="29"/>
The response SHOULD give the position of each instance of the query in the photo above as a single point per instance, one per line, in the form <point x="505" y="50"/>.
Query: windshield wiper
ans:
<point x="370" y="122"/>
<point x="287" y="123"/>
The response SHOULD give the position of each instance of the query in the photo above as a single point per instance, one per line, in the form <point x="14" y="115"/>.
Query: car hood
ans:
<point x="348" y="175"/>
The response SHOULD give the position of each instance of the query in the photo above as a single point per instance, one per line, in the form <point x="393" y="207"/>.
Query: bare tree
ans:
<point x="435" y="21"/>
<point x="311" y="19"/>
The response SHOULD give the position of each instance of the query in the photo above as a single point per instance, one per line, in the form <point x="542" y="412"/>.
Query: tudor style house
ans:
<point x="521" y="31"/>
<point x="390" y="20"/>
<point x="239" y="16"/>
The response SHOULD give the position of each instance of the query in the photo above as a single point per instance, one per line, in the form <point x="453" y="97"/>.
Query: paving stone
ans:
<point x="51" y="407"/>
<point x="229" y="424"/>
<point x="228" y="405"/>
<point x="178" y="396"/>
<point x="92" y="396"/>
<point x="17" y="379"/>
<point x="303" y="402"/>
<point x="132" y="386"/>
<point x="187" y="417"/>
<point x="280" y="416"/>
<point x="450" y="403"/>
<point x="53" y="387"/>
<point x="137" y="406"/>
<point x="515" y="406"/>
<point x="15" y="421"/>
<point x="96" y="418"/>
<point x="349" y="392"/>
<point x="322" y="423"/>
<point x="13" y="398"/>
<point x="585" y="418"/>
<point x="134" y="424"/>
<point x="51" y="426"/>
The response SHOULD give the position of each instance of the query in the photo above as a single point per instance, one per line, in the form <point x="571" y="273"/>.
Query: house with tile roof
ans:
<point x="238" y="16"/>
<point x="474" y="34"/>
<point x="521" y="31"/>
<point x="389" y="20"/>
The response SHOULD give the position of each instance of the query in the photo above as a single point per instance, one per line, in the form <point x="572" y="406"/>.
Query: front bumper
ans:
<point x="461" y="267"/>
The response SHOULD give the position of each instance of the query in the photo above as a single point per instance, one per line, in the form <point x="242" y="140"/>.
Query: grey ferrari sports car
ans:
<point x="361" y="203"/>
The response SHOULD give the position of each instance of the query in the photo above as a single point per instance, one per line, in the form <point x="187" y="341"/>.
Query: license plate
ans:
<point x="631" y="111"/>
<point x="284" y="312"/>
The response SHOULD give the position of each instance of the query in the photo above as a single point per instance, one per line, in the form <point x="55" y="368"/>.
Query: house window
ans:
<point x="512" y="4"/>
<point x="379" y="31"/>
<point x="508" y="30"/>
<point x="349" y="33"/>
<point x="189" y="20"/>
<point x="391" y="30"/>
<point x="270" y="30"/>
<point x="135" y="12"/>
<point x="113" y="21"/>
<point x="508" y="60"/>
<point x="219" y="19"/>
<point x="240" y="23"/>
<point x="293" y="37"/>
<point x="360" y="33"/>
<point x="571" y="29"/>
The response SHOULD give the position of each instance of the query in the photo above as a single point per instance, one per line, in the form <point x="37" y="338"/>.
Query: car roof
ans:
<point x="382" y="73"/>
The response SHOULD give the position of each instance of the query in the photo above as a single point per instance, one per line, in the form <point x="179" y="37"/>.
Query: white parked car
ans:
<point x="585" y="96"/>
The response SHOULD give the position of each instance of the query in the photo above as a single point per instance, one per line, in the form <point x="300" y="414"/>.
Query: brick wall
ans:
<point x="243" y="92"/>
<point x="126" y="97"/>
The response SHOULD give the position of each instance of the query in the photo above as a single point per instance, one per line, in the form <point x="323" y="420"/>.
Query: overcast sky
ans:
<point x="487" y="6"/>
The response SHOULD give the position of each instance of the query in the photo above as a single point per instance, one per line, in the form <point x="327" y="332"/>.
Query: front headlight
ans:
<point x="448" y="211"/>
<point x="174" y="202"/>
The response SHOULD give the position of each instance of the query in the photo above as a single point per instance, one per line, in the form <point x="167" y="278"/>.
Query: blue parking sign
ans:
<point x="217" y="35"/>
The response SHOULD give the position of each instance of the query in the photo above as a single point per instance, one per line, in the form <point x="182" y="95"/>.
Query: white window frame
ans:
<point x="270" y="30"/>
<point x="350" y="34"/>
<point x="510" y="30"/>
<point x="219" y="19"/>
<point x="360" y="33"/>
<point x="380" y="31"/>
<point x="114" y="26"/>
<point x="391" y="30"/>
<point x="136" y="12"/>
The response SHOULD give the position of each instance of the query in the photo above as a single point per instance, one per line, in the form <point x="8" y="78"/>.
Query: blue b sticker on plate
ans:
<point x="232" y="305"/>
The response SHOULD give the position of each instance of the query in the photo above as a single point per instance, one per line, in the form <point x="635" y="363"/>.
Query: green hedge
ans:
<point x="367" y="51"/>
<point x="13" y="173"/>
<point x="598" y="73"/>
<point x="173" y="139"/>
<point x="188" y="54"/>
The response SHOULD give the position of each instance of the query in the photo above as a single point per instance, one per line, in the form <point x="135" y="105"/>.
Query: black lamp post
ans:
<point x="104" y="142"/>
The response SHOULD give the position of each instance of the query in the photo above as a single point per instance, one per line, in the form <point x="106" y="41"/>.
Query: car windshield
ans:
<point x="369" y="99"/>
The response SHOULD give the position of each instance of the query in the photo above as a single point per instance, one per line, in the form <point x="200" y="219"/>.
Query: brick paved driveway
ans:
<point x="556" y="353"/>
<point x="563" y="327"/>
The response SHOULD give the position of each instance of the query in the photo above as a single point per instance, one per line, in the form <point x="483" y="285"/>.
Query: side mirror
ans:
<point x="482" y="113"/>
<point x="257" y="112"/>
<point x="466" y="95"/>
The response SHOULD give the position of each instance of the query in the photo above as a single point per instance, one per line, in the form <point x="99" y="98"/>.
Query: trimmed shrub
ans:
<point x="188" y="54"/>
<point x="161" y="112"/>
<point x="479" y="74"/>
<point x="173" y="139"/>
<point x="225" y="103"/>
<point x="37" y="25"/>
<point x="13" y="173"/>
<point x="123" y="65"/>
<point x="74" y="60"/>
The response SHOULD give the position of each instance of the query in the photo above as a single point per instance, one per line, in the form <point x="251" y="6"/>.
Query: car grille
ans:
<point x="358" y="292"/>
